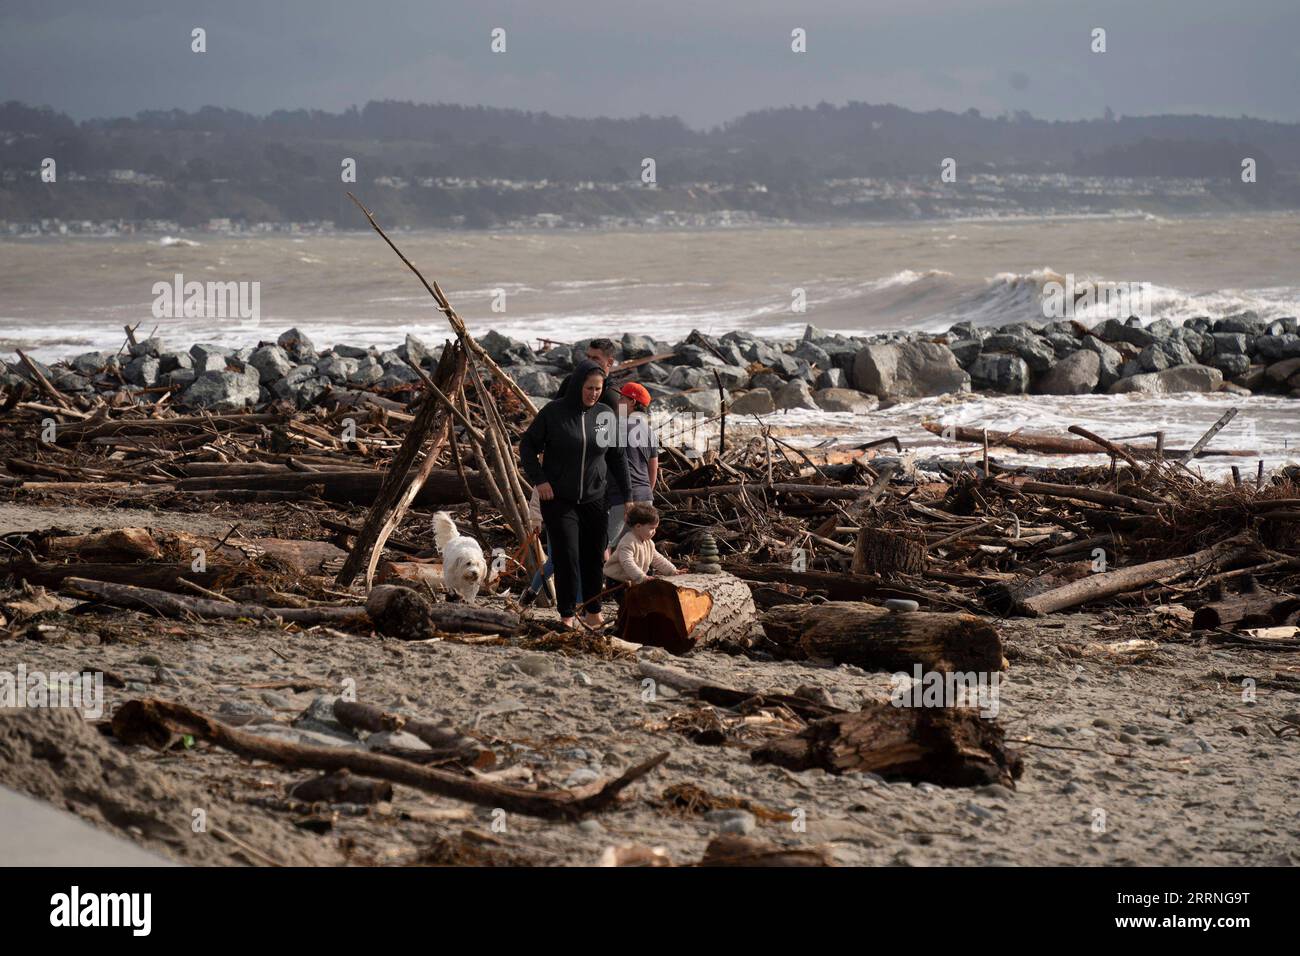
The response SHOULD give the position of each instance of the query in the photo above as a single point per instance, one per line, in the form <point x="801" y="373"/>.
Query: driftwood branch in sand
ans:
<point x="445" y="742"/>
<point x="157" y="723"/>
<point x="180" y="606"/>
<point x="1106" y="584"/>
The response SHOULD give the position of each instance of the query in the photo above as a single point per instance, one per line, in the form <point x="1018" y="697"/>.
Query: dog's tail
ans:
<point x="444" y="530"/>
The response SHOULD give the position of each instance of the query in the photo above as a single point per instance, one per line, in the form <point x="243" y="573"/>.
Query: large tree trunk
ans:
<point x="687" y="610"/>
<point x="852" y="632"/>
<point x="948" y="746"/>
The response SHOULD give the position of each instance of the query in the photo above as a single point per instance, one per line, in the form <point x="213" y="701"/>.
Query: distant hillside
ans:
<point x="426" y="164"/>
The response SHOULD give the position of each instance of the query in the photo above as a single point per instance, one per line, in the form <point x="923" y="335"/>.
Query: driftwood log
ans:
<point x="1110" y="583"/>
<point x="444" y="741"/>
<point x="406" y="614"/>
<point x="357" y="486"/>
<point x="685" y="611"/>
<point x="159" y="723"/>
<point x="948" y="746"/>
<point x="866" y="636"/>
<point x="179" y="606"/>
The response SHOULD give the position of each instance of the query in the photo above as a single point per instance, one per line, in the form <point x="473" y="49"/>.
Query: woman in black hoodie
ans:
<point x="576" y="439"/>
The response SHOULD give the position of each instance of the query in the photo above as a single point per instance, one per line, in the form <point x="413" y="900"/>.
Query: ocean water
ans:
<point x="63" y="296"/>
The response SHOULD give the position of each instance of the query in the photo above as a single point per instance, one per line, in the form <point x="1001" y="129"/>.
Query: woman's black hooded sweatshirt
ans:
<point x="579" y="448"/>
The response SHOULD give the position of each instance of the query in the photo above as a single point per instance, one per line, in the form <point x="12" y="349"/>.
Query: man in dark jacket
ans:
<point x="571" y="452"/>
<point x="600" y="352"/>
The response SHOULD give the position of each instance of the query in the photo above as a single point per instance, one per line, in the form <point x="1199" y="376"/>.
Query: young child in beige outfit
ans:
<point x="636" y="555"/>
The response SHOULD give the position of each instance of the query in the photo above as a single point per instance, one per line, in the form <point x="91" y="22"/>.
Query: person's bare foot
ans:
<point x="568" y="622"/>
<point x="593" y="621"/>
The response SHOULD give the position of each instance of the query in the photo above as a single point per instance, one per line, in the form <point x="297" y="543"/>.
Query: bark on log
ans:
<point x="445" y="742"/>
<point x="175" y="605"/>
<point x="852" y="632"/>
<point x="884" y="552"/>
<point x="408" y="615"/>
<point x="1110" y="583"/>
<point x="1245" y="610"/>
<point x="947" y="746"/>
<point x="128" y="544"/>
<point x="1008" y="597"/>
<point x="684" y="611"/>
<point x="158" y="723"/>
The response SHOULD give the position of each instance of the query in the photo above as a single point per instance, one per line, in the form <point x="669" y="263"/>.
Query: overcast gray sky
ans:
<point x="703" y="60"/>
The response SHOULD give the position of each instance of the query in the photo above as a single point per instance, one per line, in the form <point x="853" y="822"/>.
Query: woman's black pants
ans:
<point x="577" y="536"/>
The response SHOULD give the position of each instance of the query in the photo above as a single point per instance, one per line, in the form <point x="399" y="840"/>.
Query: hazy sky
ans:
<point x="703" y="60"/>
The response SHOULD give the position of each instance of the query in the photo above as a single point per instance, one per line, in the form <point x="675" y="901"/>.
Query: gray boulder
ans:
<point x="336" y="368"/>
<point x="367" y="372"/>
<point x="833" y="378"/>
<point x="966" y="350"/>
<point x="637" y="346"/>
<point x="757" y="401"/>
<point x="89" y="363"/>
<point x="795" y="394"/>
<point x="417" y="352"/>
<point x="908" y="370"/>
<point x="1000" y="372"/>
<point x="223" y="390"/>
<point x="1247" y="322"/>
<point x="702" y="402"/>
<point x="1164" y="354"/>
<point x="689" y="376"/>
<point x="1231" y="343"/>
<point x="171" y="361"/>
<point x="1111" y="360"/>
<point x="299" y="347"/>
<point x="1273" y="348"/>
<point x="1076" y="374"/>
<point x="1184" y="378"/>
<point x="351" y="351"/>
<point x="210" y="358"/>
<point x="844" y="400"/>
<point x="142" y="371"/>
<point x="537" y="380"/>
<point x="1230" y="363"/>
<point x="272" y="363"/>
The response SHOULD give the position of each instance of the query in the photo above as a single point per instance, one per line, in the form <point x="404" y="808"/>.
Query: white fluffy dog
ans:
<point x="463" y="567"/>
